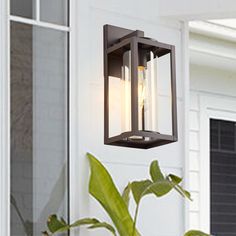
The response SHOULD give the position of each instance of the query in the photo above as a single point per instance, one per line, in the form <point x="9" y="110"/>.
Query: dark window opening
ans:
<point x="223" y="177"/>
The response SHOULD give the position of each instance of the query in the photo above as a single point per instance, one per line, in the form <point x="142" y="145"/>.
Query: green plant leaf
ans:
<point x="160" y="188"/>
<point x="183" y="192"/>
<point x="56" y="225"/>
<point x="139" y="188"/>
<point x="63" y="220"/>
<point x="142" y="188"/>
<point x="175" y="180"/>
<point x="126" y="194"/>
<point x="155" y="172"/>
<point x="103" y="225"/>
<point x="85" y="221"/>
<point x="45" y="233"/>
<point x="187" y="194"/>
<point x="94" y="223"/>
<point x="103" y="189"/>
<point x="195" y="233"/>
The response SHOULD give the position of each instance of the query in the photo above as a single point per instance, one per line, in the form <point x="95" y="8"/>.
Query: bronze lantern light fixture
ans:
<point x="140" y="90"/>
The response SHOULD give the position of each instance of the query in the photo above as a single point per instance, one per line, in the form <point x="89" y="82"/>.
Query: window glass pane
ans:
<point x="38" y="127"/>
<point x="54" y="11"/>
<point x="223" y="178"/>
<point x="24" y="8"/>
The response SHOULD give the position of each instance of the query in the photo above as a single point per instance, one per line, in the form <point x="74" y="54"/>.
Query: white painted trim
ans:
<point x="39" y="23"/>
<point x="230" y="23"/>
<point x="189" y="10"/>
<point x="37" y="13"/>
<point x="219" y="54"/>
<point x="4" y="121"/>
<point x="185" y="74"/>
<point x="73" y="114"/>
<point x="213" y="30"/>
<point x="218" y="108"/>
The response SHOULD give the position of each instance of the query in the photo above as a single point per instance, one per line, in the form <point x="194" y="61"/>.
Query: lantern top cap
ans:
<point x="115" y="36"/>
<point x="151" y="39"/>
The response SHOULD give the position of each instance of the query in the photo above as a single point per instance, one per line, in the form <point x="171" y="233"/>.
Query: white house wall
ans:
<point x="125" y="164"/>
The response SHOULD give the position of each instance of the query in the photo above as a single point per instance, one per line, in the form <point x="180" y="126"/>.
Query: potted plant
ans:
<point x="103" y="189"/>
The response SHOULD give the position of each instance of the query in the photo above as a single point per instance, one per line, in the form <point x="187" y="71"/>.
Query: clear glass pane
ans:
<point x="154" y="93"/>
<point x="38" y="127"/>
<point x="120" y="95"/>
<point x="54" y="11"/>
<point x="24" y="8"/>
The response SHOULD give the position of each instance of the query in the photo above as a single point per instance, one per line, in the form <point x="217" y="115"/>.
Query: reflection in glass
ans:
<point x="54" y="11"/>
<point x="38" y="127"/>
<point x="24" y="8"/>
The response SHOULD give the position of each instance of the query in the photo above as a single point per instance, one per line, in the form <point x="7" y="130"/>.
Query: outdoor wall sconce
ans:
<point x="140" y="90"/>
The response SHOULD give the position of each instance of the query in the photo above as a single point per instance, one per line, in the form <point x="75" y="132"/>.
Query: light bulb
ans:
<point x="142" y="95"/>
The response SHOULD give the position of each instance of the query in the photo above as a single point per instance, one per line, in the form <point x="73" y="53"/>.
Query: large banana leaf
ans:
<point x="103" y="189"/>
<point x="126" y="194"/>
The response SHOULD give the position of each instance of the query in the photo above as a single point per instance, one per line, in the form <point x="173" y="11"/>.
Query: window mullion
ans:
<point x="39" y="23"/>
<point x="37" y="10"/>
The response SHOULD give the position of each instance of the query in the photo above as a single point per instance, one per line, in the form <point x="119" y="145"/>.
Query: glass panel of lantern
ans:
<point x="154" y="90"/>
<point x="119" y="80"/>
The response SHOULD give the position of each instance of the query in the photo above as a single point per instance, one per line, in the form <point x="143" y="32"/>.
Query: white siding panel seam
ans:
<point x="194" y="152"/>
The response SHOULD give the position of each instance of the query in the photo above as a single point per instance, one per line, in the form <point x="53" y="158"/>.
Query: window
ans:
<point x="39" y="113"/>
<point x="223" y="177"/>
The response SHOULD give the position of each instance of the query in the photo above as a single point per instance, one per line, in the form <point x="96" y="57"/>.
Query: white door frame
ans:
<point x="211" y="107"/>
<point x="4" y="122"/>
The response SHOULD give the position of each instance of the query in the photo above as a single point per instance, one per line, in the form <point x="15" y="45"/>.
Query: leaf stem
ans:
<point x="135" y="218"/>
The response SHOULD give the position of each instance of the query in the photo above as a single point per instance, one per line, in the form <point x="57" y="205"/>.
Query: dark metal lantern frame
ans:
<point x="116" y="38"/>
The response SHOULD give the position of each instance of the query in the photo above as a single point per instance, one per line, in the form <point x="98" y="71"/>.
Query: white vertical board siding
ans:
<point x="194" y="150"/>
<point x="194" y="147"/>
<point x="125" y="164"/>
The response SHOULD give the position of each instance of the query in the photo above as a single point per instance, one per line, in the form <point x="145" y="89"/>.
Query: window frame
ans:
<point x="4" y="121"/>
<point x="211" y="107"/>
<point x="5" y="20"/>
